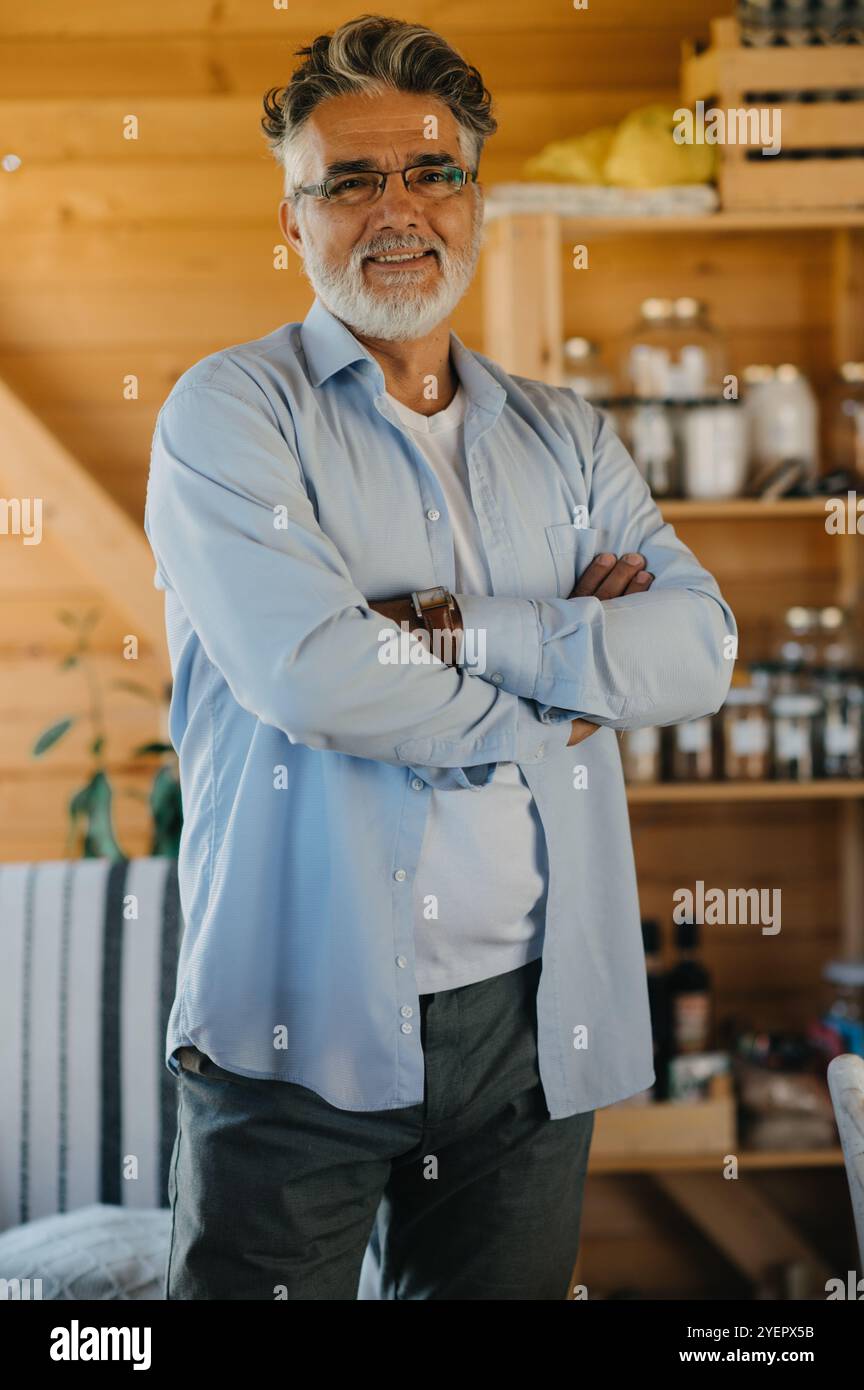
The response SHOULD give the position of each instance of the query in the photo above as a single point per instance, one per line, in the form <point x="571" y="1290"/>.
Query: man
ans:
<point x="412" y="965"/>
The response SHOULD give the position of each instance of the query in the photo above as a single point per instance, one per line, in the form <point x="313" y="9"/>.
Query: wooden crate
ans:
<point x="726" y="75"/>
<point x="668" y="1127"/>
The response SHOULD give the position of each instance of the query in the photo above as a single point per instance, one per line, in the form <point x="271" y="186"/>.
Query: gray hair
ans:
<point x="372" y="54"/>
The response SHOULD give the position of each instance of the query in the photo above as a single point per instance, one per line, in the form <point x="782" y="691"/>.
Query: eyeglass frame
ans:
<point x="320" y="189"/>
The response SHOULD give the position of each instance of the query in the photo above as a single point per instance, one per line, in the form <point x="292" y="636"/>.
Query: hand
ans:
<point x="582" y="729"/>
<point x="608" y="577"/>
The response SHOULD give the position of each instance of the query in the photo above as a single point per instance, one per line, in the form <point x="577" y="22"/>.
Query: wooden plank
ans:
<point x="192" y="66"/>
<point x="56" y="130"/>
<point x="100" y="18"/>
<point x="817" y="183"/>
<point x="847" y="296"/>
<point x="522" y="297"/>
<point x="81" y="517"/>
<point x="827" y="789"/>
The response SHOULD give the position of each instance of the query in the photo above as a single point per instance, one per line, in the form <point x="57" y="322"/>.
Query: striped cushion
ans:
<point x="88" y="962"/>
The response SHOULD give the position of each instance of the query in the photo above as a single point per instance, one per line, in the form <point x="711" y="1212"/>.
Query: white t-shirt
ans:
<point x="483" y="865"/>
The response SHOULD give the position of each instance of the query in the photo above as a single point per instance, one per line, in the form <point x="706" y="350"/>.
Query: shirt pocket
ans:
<point x="573" y="548"/>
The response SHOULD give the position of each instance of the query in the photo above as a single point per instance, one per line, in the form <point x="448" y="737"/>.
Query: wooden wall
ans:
<point x="144" y="255"/>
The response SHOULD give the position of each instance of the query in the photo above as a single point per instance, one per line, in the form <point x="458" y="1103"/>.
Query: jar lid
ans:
<point x="686" y="307"/>
<point x="831" y="617"/>
<point x="579" y="349"/>
<point x="844" y="972"/>
<point x="852" y="371"/>
<point x="745" y="695"/>
<point x="796" y="703"/>
<point x="656" y="308"/>
<point x="758" y="372"/>
<point x="787" y="371"/>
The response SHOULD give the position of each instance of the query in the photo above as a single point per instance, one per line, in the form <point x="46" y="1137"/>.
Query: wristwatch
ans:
<point x="436" y="608"/>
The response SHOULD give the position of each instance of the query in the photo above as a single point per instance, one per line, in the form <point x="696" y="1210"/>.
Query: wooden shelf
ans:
<point x="823" y="219"/>
<point x="742" y="509"/>
<point x="748" y="1161"/>
<point x="570" y="225"/>
<point x="825" y="789"/>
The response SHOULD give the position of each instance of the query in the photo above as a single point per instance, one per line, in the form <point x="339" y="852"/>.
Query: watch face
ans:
<point x="432" y="596"/>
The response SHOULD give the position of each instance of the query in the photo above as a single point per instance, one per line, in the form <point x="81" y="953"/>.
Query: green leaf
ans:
<point x="100" y="842"/>
<point x="69" y="619"/>
<point x="71" y="660"/>
<point x="97" y="745"/>
<point x="50" y="736"/>
<point x="143" y="749"/>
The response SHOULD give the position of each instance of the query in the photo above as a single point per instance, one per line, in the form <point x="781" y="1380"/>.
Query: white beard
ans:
<point x="402" y="311"/>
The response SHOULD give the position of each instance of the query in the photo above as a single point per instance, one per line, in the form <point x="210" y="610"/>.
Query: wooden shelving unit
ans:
<point x="527" y="278"/>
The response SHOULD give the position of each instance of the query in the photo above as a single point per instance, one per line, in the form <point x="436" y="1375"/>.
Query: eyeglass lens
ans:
<point x="429" y="180"/>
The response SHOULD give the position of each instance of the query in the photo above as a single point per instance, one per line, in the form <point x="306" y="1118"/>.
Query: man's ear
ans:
<point x="290" y="225"/>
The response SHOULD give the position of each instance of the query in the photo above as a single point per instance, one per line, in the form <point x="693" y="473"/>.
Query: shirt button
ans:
<point x="406" y="1011"/>
<point x="407" y="1028"/>
<point x="418" y="784"/>
<point x="401" y="961"/>
<point x="399" y="875"/>
<point x="497" y="678"/>
<point x="541" y="750"/>
<point x="433" y="514"/>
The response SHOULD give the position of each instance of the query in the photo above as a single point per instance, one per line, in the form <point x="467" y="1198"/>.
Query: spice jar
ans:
<point x="714" y="448"/>
<point x="693" y="751"/>
<point x="783" y="423"/>
<point x="640" y="751"/>
<point x="746" y="734"/>
<point x="794" y="743"/>
<point x="673" y="353"/>
<point x="843" y="723"/>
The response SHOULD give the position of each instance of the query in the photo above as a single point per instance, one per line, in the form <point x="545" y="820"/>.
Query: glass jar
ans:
<point x="800" y="640"/>
<point x="795" y="727"/>
<point x="746" y="734"/>
<point x="640" y="752"/>
<point x="693" y="750"/>
<point x="653" y="448"/>
<point x="584" y="372"/>
<point x="846" y="443"/>
<point x="842" y="723"/>
<point x="714" y="453"/>
<point x="783" y="421"/>
<point x="673" y="353"/>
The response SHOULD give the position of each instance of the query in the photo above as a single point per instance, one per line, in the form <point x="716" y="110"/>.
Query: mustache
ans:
<point x="391" y="241"/>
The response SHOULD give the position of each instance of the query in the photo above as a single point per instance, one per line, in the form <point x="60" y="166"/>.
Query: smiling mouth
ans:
<point x="400" y="257"/>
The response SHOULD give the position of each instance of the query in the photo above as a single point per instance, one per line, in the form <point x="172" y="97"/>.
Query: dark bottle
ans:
<point x="689" y="994"/>
<point x="658" y="1003"/>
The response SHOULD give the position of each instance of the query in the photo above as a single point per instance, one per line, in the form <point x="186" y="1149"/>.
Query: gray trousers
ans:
<point x="472" y="1194"/>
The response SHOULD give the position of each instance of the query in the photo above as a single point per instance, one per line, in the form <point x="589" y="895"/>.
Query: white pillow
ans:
<point x="97" y="1252"/>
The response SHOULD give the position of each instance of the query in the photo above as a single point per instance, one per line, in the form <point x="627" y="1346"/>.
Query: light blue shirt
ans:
<point x="283" y="493"/>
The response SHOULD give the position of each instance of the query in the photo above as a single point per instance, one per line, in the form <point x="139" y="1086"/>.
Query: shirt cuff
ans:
<point x="502" y="641"/>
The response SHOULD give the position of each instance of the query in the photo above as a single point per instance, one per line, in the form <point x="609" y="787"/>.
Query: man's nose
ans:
<point x="397" y="205"/>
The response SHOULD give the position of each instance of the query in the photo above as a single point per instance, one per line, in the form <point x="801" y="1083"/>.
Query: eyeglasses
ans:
<point x="357" y="186"/>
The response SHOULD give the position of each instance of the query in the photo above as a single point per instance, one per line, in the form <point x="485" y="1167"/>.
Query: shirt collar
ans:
<point x="329" y="346"/>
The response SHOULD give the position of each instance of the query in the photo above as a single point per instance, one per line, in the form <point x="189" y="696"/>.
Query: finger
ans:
<point x="587" y="582"/>
<point x="640" y="582"/>
<point x="620" y="576"/>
